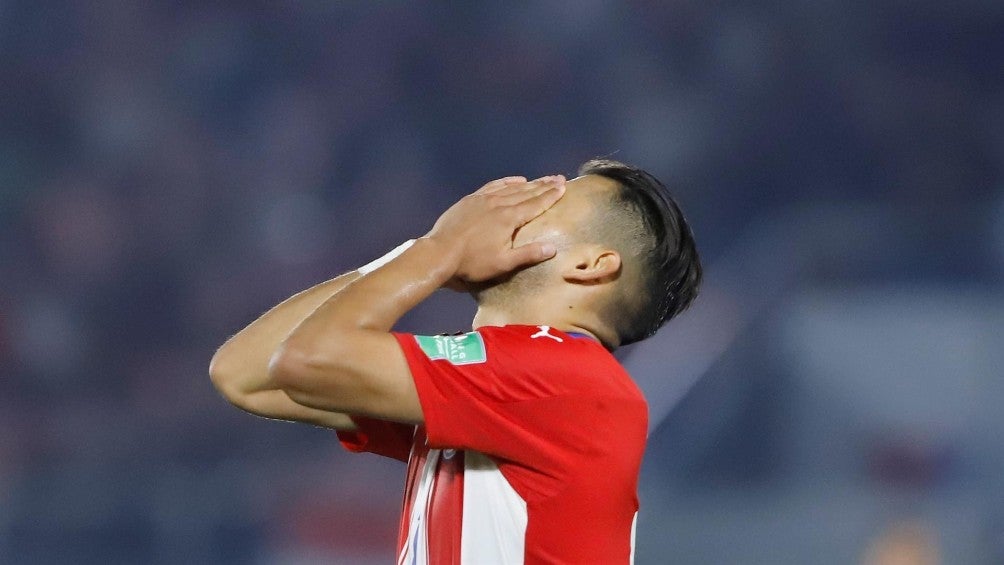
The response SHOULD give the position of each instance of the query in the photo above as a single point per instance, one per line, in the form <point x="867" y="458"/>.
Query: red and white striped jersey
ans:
<point x="529" y="453"/>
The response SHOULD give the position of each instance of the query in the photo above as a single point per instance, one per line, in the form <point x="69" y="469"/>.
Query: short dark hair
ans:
<point x="648" y="223"/>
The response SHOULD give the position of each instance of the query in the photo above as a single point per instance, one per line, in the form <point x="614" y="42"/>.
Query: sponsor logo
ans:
<point x="465" y="349"/>
<point x="544" y="332"/>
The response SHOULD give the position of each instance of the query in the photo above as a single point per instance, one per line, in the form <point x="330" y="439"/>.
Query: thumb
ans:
<point x="530" y="254"/>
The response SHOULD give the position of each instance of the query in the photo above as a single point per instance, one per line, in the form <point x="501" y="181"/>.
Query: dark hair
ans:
<point x="648" y="223"/>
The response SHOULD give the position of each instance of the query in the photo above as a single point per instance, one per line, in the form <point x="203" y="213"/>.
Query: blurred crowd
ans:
<point x="168" y="170"/>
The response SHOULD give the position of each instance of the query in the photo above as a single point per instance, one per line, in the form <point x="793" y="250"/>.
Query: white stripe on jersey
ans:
<point x="495" y="517"/>
<point x="634" y="529"/>
<point x="416" y="547"/>
<point x="493" y="525"/>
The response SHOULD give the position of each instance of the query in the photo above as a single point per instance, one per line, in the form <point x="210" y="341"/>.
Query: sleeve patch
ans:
<point x="466" y="349"/>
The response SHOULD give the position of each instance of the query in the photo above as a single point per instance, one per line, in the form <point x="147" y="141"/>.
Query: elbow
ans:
<point x="224" y="379"/>
<point x="288" y="368"/>
<point x="217" y="371"/>
<point x="305" y="378"/>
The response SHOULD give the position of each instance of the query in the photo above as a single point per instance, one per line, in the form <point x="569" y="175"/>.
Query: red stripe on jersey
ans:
<point x="416" y="463"/>
<point x="446" y="509"/>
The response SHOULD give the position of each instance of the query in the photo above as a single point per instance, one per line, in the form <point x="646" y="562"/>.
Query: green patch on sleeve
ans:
<point x="463" y="349"/>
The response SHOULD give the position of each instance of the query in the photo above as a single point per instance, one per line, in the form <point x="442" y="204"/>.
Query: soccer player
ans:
<point x="524" y="437"/>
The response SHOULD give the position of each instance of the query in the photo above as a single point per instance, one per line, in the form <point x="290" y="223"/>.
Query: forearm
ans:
<point x="377" y="301"/>
<point x="342" y="352"/>
<point x="241" y="364"/>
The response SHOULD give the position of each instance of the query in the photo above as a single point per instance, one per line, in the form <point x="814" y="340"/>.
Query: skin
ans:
<point x="328" y="351"/>
<point x="565" y="291"/>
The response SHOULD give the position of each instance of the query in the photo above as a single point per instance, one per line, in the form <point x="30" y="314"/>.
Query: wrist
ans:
<point x="444" y="258"/>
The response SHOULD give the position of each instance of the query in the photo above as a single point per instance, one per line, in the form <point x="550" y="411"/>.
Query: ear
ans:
<point x="592" y="265"/>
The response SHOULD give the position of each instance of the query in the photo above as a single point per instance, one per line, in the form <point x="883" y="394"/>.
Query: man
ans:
<point x="523" y="438"/>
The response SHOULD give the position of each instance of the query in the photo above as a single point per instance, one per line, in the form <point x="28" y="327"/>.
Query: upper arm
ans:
<point x="500" y="393"/>
<point x="354" y="371"/>
<point x="278" y="405"/>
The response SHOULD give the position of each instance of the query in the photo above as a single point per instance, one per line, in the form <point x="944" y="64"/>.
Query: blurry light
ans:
<point x="49" y="340"/>
<point x="998" y="232"/>
<point x="297" y="228"/>
<point x="83" y="229"/>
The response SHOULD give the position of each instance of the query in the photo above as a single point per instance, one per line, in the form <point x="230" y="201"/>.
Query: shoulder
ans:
<point x="579" y="362"/>
<point x="536" y="344"/>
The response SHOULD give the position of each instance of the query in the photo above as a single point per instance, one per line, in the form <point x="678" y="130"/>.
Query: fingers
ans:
<point x="529" y="254"/>
<point x="538" y="203"/>
<point x="518" y="185"/>
<point x="499" y="184"/>
<point x="519" y="190"/>
<point x="516" y="195"/>
<point x="549" y="179"/>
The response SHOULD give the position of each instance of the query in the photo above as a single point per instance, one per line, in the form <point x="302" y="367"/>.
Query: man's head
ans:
<point x="626" y="258"/>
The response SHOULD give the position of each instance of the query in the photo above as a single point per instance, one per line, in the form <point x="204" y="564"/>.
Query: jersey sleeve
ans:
<point x="390" y="439"/>
<point x="502" y="395"/>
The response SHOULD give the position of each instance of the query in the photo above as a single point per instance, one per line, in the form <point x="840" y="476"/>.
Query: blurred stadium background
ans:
<point x="170" y="169"/>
